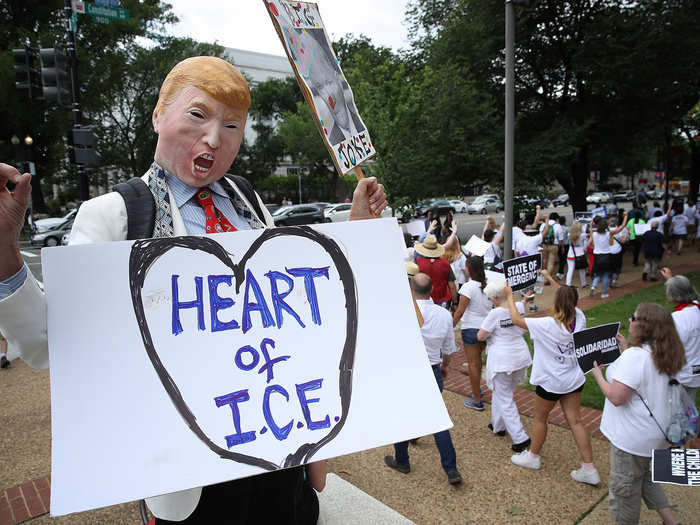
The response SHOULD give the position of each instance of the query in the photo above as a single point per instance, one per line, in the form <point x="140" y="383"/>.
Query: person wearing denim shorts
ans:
<point x="473" y="308"/>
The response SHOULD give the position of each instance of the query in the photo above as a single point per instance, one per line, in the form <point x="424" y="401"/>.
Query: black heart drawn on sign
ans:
<point x="144" y="254"/>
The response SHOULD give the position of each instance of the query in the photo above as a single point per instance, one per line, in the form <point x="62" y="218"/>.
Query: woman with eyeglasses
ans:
<point x="557" y="376"/>
<point x="637" y="386"/>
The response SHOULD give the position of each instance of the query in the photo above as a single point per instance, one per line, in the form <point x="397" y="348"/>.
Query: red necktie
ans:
<point x="216" y="222"/>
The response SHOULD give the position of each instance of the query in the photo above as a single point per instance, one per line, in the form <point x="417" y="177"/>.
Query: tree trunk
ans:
<point x="577" y="182"/>
<point x="694" y="181"/>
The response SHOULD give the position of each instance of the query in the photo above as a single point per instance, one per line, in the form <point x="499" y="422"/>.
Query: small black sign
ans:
<point x="522" y="272"/>
<point x="680" y="466"/>
<point x="596" y="344"/>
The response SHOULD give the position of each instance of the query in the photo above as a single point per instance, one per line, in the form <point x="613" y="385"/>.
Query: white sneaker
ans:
<point x="604" y="295"/>
<point x="586" y="476"/>
<point x="525" y="459"/>
<point x="592" y="292"/>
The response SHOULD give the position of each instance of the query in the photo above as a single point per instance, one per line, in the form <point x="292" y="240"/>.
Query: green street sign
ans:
<point x="101" y="19"/>
<point x="115" y="13"/>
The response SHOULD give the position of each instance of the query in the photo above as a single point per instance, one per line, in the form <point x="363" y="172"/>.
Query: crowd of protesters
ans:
<point x="661" y="345"/>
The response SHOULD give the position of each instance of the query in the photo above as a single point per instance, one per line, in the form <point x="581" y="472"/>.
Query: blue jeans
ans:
<point x="443" y="441"/>
<point x="606" y="281"/>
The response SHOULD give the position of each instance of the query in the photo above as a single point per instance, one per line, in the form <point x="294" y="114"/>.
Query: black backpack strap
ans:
<point x="140" y="208"/>
<point x="247" y="190"/>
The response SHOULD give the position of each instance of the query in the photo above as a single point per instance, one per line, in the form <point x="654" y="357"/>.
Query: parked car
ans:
<point x="54" y="236"/>
<point x="337" y="212"/>
<point x="538" y="201"/>
<point x="421" y="208"/>
<point x="459" y="206"/>
<point x="561" y="200"/>
<point x="624" y="196"/>
<point x="656" y="194"/>
<point x="484" y="204"/>
<point x="341" y="212"/>
<point x="599" y="197"/>
<point x="273" y="207"/>
<point x="42" y="225"/>
<point x="297" y="214"/>
<point x="441" y="207"/>
<point x="321" y="205"/>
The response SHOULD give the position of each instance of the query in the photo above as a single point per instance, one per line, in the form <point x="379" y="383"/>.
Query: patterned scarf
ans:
<point x="163" y="226"/>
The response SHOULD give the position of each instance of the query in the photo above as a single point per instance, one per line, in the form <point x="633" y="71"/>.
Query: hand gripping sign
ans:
<point x="187" y="361"/>
<point x="596" y="344"/>
<point x="322" y="82"/>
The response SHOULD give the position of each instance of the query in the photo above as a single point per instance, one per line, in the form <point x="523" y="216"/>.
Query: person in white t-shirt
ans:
<point x="679" y="230"/>
<point x="601" y="243"/>
<point x="471" y="311"/>
<point x="618" y="240"/>
<point x="557" y="377"/>
<point x="506" y="365"/>
<point x="686" y="317"/>
<point x="577" y="248"/>
<point x="637" y="384"/>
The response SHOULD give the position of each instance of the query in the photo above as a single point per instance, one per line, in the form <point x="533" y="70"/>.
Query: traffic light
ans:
<point x="26" y="74"/>
<point x="55" y="76"/>
<point x="85" y="146"/>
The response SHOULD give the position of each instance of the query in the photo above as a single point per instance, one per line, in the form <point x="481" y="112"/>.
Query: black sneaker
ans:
<point x="391" y="463"/>
<point x="454" y="477"/>
<point x="499" y="433"/>
<point x="4" y="362"/>
<point x="519" y="447"/>
<point x="644" y="276"/>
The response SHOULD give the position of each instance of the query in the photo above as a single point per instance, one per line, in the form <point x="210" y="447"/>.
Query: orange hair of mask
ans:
<point x="216" y="77"/>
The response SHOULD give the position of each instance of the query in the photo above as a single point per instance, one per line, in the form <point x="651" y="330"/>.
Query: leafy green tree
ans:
<point x="593" y="77"/>
<point x="42" y="24"/>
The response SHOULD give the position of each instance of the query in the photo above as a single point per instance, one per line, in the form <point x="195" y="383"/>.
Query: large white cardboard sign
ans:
<point x="187" y="361"/>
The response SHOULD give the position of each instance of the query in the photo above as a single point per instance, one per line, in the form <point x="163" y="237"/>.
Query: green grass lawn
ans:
<point x="615" y="311"/>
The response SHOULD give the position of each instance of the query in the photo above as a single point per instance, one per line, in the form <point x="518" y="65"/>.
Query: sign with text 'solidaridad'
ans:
<point x="187" y="361"/>
<point x="596" y="344"/>
<point x="679" y="466"/>
<point x="321" y="79"/>
<point x="521" y="273"/>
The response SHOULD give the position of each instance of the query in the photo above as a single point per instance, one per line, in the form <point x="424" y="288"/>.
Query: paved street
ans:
<point x="32" y="257"/>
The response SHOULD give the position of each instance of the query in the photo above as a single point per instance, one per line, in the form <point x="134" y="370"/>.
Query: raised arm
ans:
<point x="622" y="225"/>
<point x="13" y="206"/>
<point x="548" y="276"/>
<point x="452" y="241"/>
<point x="515" y="316"/>
<point x="499" y="236"/>
<point x="537" y="216"/>
<point x="368" y="199"/>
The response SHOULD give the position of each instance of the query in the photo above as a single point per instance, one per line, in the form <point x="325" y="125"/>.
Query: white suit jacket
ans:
<point x="23" y="314"/>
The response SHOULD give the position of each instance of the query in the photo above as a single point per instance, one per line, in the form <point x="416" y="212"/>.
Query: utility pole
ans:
<point x="509" y="132"/>
<point x="75" y="107"/>
<point x="509" y="125"/>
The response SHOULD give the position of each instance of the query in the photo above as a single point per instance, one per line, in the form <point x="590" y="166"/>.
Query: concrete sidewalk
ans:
<point x="494" y="490"/>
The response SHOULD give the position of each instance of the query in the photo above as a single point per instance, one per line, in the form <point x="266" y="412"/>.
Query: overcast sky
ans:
<point x="245" y="24"/>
